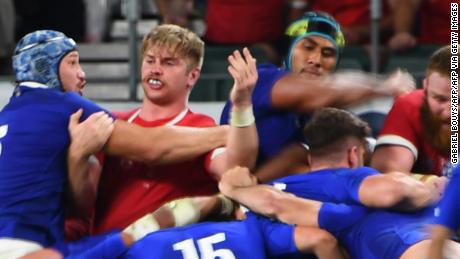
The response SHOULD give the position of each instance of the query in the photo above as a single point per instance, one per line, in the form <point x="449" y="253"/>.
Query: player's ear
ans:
<point x="353" y="157"/>
<point x="193" y="76"/>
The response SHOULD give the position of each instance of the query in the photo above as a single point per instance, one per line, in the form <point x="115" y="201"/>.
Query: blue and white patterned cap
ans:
<point x="38" y="55"/>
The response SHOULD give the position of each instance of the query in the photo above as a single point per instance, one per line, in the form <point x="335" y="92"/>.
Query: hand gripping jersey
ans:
<point x="128" y="190"/>
<point x="33" y="162"/>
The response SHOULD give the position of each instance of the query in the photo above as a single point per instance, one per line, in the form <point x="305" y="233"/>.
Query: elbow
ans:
<point x="154" y="155"/>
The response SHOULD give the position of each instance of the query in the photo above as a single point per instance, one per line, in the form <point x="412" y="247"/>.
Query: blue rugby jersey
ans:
<point x="252" y="238"/>
<point x="366" y="233"/>
<point x="33" y="162"/>
<point x="337" y="185"/>
<point x="276" y="128"/>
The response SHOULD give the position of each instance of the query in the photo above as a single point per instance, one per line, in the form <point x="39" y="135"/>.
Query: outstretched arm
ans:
<point x="239" y="185"/>
<point x="296" y="93"/>
<point x="396" y="190"/>
<point x="242" y="143"/>
<point x="164" y="144"/>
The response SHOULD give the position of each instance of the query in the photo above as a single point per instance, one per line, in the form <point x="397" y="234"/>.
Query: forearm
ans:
<point x="164" y="144"/>
<point x="296" y="93"/>
<point x="243" y="142"/>
<point x="417" y="194"/>
<point x="257" y="198"/>
<point x="83" y="179"/>
<point x="273" y="203"/>
<point x="404" y="13"/>
<point x="187" y="143"/>
<point x="355" y="87"/>
<point x="242" y="147"/>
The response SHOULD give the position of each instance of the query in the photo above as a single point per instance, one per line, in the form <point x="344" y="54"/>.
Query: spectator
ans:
<point x="432" y="28"/>
<point x="175" y="12"/>
<point x="354" y="16"/>
<point x="244" y="22"/>
<point x="416" y="133"/>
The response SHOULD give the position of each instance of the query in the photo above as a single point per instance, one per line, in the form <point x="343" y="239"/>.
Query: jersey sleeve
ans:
<point x="353" y="182"/>
<point x="399" y="126"/>
<point x="338" y="185"/>
<point x="278" y="237"/>
<point x="268" y="76"/>
<point x="338" y="217"/>
<point x="88" y="106"/>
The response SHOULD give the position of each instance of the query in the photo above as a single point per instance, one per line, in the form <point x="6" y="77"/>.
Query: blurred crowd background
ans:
<point x="408" y="31"/>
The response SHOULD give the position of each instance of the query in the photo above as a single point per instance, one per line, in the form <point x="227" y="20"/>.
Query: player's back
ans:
<point x="225" y="240"/>
<point x="387" y="234"/>
<point x="338" y="185"/>
<point x="34" y="139"/>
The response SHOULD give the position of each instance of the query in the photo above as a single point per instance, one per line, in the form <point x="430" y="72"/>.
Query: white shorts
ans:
<point x="11" y="248"/>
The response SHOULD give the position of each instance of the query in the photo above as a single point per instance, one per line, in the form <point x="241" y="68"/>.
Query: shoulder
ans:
<point x="412" y="100"/>
<point x="269" y="74"/>
<point x="76" y="102"/>
<point x="405" y="111"/>
<point x="267" y="78"/>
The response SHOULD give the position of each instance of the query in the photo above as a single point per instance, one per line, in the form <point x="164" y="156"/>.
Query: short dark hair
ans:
<point x="439" y="61"/>
<point x="329" y="127"/>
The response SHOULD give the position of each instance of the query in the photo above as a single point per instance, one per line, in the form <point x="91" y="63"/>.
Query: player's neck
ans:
<point x="320" y="164"/>
<point x="152" y="112"/>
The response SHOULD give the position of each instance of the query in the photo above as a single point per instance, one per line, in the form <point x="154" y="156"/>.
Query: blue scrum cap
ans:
<point x="38" y="55"/>
<point x="313" y="24"/>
